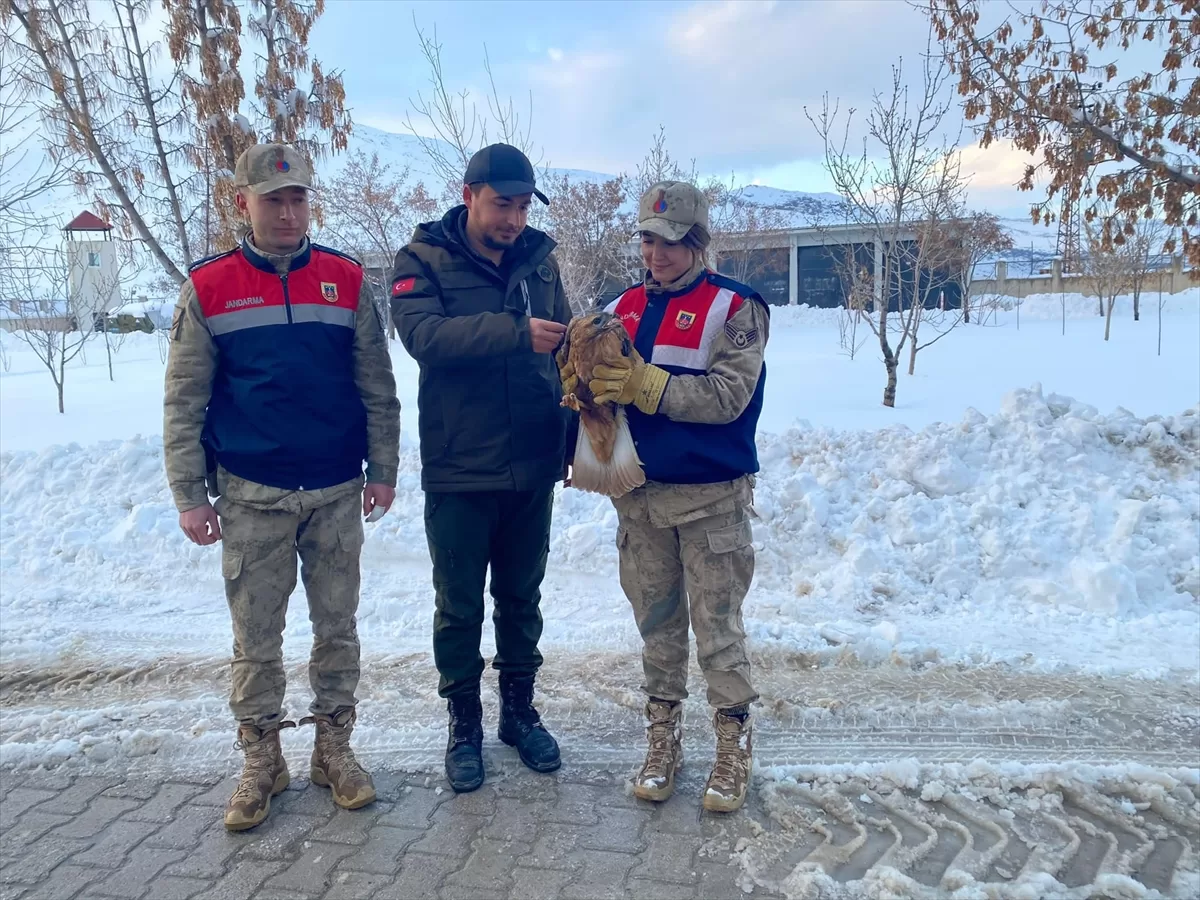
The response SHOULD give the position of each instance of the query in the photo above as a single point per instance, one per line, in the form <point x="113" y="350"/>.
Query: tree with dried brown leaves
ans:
<point x="589" y="221"/>
<point x="154" y="146"/>
<point x="26" y="173"/>
<point x="1062" y="79"/>
<point x="72" y="67"/>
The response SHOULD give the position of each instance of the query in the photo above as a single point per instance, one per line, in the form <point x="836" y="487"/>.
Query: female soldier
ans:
<point x="692" y="390"/>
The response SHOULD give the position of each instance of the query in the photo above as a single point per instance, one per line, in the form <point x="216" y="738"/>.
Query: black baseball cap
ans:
<point x="506" y="169"/>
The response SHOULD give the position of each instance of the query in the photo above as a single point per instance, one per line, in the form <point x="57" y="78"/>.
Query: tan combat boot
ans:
<point x="333" y="762"/>
<point x="664" y="756"/>
<point x="725" y="790"/>
<point x="264" y="774"/>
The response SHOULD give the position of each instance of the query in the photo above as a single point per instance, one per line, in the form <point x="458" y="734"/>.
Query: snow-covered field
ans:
<point x="996" y="583"/>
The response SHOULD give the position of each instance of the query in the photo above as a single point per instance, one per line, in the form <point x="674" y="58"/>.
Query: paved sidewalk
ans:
<point x="522" y="835"/>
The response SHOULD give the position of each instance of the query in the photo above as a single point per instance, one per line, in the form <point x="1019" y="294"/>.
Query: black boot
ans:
<point x="464" y="746"/>
<point x="521" y="727"/>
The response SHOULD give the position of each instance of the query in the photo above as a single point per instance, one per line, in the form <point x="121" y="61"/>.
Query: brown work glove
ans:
<point x="629" y="380"/>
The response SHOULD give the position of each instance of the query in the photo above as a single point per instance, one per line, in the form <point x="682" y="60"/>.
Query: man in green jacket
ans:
<point x="479" y="304"/>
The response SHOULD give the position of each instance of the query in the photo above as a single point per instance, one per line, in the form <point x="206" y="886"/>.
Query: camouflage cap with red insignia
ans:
<point x="671" y="209"/>
<point x="263" y="168"/>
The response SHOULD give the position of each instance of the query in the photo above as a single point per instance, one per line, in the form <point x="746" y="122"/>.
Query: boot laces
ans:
<point x="731" y="755"/>
<point x="661" y="737"/>
<point x="260" y="759"/>
<point x="333" y="742"/>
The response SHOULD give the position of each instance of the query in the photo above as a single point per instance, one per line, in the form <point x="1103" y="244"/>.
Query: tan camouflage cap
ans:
<point x="671" y="208"/>
<point x="263" y="168"/>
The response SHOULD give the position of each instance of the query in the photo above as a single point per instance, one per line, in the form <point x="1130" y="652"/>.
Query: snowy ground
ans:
<point x="1004" y="571"/>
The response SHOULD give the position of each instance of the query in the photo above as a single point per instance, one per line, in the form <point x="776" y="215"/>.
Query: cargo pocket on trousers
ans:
<point x="731" y="537"/>
<point x="627" y="568"/>
<point x="350" y="539"/>
<point x="231" y="565"/>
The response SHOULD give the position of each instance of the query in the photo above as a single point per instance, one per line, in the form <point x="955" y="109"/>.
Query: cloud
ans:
<point x="555" y="54"/>
<point x="999" y="165"/>
<point x="728" y="80"/>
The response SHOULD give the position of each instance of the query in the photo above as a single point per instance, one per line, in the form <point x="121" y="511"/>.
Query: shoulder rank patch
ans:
<point x="741" y="339"/>
<point x="192" y="267"/>
<point x="338" y="253"/>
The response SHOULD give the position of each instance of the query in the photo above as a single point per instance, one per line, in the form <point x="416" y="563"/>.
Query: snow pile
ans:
<point x="874" y="541"/>
<point x="1046" y="502"/>
<point x="1049" y="307"/>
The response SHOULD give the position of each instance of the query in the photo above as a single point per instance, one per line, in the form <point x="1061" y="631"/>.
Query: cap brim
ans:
<point x="515" y="189"/>
<point x="275" y="184"/>
<point x="672" y="231"/>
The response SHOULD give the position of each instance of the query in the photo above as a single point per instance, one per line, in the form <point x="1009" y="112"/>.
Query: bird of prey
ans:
<point x="606" y="462"/>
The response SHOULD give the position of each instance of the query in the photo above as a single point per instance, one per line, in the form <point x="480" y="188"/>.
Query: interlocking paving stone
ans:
<point x="520" y="836"/>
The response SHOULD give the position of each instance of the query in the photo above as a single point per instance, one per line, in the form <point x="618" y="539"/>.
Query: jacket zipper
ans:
<point x="287" y="301"/>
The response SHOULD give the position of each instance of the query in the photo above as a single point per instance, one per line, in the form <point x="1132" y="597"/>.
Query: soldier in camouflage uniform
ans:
<point x="693" y="391"/>
<point x="278" y="387"/>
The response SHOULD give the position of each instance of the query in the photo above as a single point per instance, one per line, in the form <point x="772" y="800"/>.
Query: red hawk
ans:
<point x="606" y="462"/>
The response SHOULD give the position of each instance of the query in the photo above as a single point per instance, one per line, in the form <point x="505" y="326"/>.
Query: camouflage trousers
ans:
<point x="686" y="557"/>
<point x="264" y="530"/>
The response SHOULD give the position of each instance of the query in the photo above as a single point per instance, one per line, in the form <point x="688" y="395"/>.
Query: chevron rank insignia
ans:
<point x="741" y="339"/>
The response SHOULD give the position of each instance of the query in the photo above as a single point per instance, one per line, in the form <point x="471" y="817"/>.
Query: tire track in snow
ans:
<point x="1049" y="837"/>
<point x="808" y="716"/>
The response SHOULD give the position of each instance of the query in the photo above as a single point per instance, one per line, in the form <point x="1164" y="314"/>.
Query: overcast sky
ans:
<point x="729" y="80"/>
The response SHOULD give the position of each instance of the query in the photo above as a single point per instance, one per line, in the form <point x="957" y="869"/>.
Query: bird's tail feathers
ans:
<point x="614" y="478"/>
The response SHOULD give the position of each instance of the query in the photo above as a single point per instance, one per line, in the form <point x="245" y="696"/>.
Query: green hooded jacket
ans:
<point x="488" y="407"/>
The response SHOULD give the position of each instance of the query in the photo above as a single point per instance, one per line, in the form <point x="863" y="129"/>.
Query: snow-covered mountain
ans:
<point x="400" y="151"/>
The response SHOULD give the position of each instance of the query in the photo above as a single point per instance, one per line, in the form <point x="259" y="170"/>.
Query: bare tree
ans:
<point x="1108" y="270"/>
<point x="739" y="227"/>
<point x="592" y="226"/>
<point x="1057" y="77"/>
<point x="859" y="288"/>
<point x="887" y="189"/>
<point x="964" y="242"/>
<point x="371" y="212"/>
<point x="933" y="258"/>
<point x="54" y="319"/>
<point x="1141" y="251"/>
<point x="459" y="128"/>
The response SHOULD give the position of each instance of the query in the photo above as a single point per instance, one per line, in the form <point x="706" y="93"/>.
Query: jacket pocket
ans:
<point x="731" y="537"/>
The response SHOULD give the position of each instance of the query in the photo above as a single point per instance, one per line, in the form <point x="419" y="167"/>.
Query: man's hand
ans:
<point x="546" y="335"/>
<point x="377" y="496"/>
<point x="201" y="525"/>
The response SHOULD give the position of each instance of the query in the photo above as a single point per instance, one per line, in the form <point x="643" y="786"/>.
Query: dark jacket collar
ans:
<point x="531" y="248"/>
<point x="266" y="262"/>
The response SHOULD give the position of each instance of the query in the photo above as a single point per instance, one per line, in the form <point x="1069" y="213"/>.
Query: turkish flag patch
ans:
<point x="403" y="286"/>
